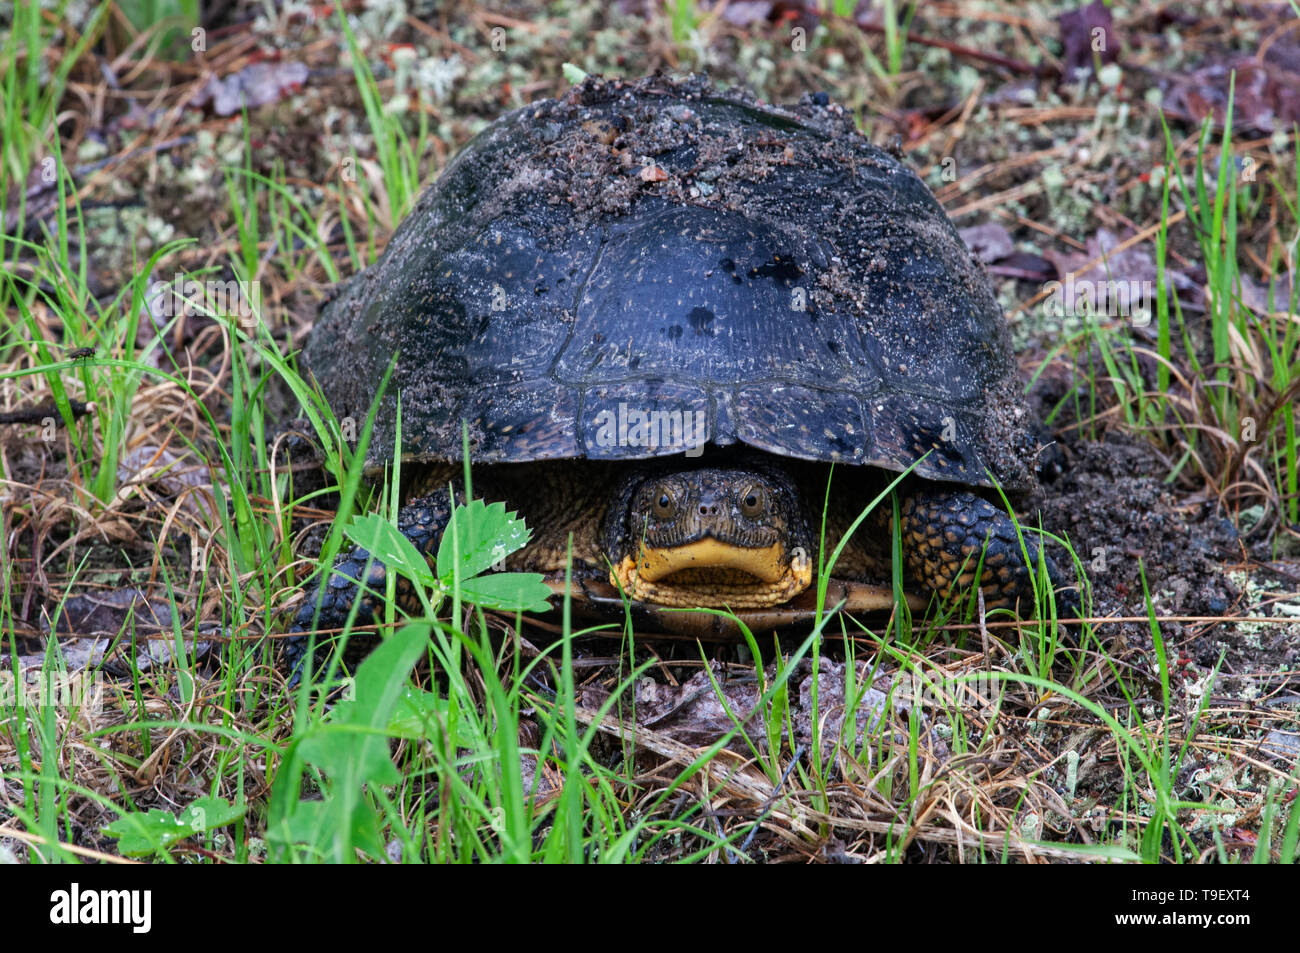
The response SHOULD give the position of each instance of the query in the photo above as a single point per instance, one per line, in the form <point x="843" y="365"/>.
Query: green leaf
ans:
<point x="414" y="713"/>
<point x="152" y="832"/>
<point x="385" y="542"/>
<point x="313" y="819"/>
<point x="351" y="749"/>
<point x="352" y="742"/>
<point x="508" y="591"/>
<point x="483" y="536"/>
<point x="1152" y="836"/>
<point x="574" y="74"/>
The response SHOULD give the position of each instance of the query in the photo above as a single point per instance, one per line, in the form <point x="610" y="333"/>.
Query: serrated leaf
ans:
<point x="382" y="539"/>
<point x="139" y="835"/>
<point x="483" y="536"/>
<point x="508" y="591"/>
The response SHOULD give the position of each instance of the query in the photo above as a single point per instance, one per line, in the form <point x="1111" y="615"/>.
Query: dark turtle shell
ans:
<point x="638" y="267"/>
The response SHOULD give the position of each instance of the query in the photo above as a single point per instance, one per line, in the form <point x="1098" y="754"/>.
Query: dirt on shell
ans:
<point x="903" y="309"/>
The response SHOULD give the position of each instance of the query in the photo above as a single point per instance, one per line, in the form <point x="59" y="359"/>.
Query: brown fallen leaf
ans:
<point x="1265" y="96"/>
<point x="1088" y="35"/>
<point x="104" y="613"/>
<point x="696" y="713"/>
<point x="257" y="85"/>
<point x="990" y="241"/>
<point x="1128" y="276"/>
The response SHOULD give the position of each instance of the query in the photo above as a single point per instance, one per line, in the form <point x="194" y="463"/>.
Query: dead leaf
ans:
<point x="1255" y="294"/>
<point x="257" y="85"/>
<point x="1025" y="265"/>
<point x="1129" y="277"/>
<point x="1088" y="35"/>
<point x="990" y="241"/>
<point x="1265" y="96"/>
<point x="744" y="12"/>
<point x="696" y="714"/>
<point x="176" y="476"/>
<point x="105" y="613"/>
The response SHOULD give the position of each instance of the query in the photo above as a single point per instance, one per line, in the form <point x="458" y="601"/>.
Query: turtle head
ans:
<point x="710" y="537"/>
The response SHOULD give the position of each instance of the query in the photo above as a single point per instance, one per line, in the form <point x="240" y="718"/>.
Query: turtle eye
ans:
<point x="665" y="505"/>
<point x="753" y="501"/>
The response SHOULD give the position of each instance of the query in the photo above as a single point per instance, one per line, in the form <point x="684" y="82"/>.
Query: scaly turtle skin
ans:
<point x="663" y="311"/>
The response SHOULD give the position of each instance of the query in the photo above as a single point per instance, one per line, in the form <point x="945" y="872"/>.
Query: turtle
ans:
<point x="688" y="337"/>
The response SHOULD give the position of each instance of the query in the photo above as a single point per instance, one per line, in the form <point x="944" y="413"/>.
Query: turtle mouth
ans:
<point x="713" y="573"/>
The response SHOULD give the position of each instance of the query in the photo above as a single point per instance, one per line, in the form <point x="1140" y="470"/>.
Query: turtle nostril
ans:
<point x="708" y="509"/>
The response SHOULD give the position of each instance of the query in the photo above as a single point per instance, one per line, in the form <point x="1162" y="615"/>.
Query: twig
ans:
<point x="36" y="415"/>
<point x="169" y="144"/>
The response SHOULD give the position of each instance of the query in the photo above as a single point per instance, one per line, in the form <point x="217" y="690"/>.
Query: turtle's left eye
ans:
<point x="753" y="501"/>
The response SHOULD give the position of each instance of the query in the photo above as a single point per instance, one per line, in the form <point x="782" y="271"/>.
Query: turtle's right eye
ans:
<point x="665" y="505"/>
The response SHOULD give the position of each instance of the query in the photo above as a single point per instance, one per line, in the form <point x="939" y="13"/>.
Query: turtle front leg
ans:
<point x="943" y="536"/>
<point x="422" y="522"/>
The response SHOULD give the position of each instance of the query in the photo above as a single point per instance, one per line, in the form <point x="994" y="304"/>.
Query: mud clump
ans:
<point x="1124" y="523"/>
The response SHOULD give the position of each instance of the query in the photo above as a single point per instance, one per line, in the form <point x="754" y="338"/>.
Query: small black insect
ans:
<point x="81" y="353"/>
